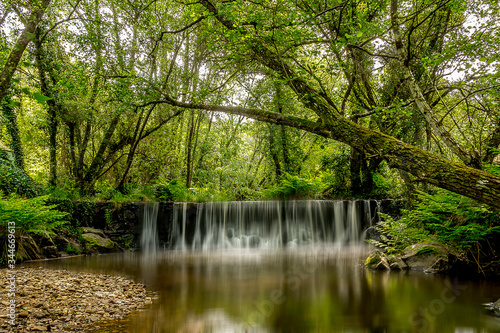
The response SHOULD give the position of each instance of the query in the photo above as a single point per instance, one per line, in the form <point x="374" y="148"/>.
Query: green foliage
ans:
<point x="108" y="214"/>
<point x="293" y="187"/>
<point x="387" y="184"/>
<point x="65" y="190"/>
<point x="13" y="179"/>
<point x="444" y="217"/>
<point x="127" y="241"/>
<point x="176" y="190"/>
<point x="454" y="219"/>
<point x="426" y="250"/>
<point x="30" y="215"/>
<point x="396" y="235"/>
<point x="71" y="249"/>
<point x="83" y="213"/>
<point x="336" y="167"/>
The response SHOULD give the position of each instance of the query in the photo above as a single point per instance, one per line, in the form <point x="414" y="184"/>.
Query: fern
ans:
<point x="30" y="215"/>
<point x="453" y="219"/>
<point x="395" y="235"/>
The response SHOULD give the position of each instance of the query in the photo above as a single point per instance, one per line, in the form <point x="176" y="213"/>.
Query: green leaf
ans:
<point x="41" y="98"/>
<point x="360" y="34"/>
<point x="14" y="104"/>
<point x="26" y="91"/>
<point x="31" y="36"/>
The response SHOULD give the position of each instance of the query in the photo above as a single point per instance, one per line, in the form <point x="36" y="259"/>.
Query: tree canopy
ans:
<point x="350" y="97"/>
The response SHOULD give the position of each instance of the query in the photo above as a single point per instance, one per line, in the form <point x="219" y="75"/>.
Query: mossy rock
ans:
<point x="88" y="230"/>
<point x="383" y="261"/>
<point x="96" y="244"/>
<point x="431" y="257"/>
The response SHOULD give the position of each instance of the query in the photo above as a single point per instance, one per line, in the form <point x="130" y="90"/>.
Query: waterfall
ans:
<point x="268" y="224"/>
<point x="149" y="235"/>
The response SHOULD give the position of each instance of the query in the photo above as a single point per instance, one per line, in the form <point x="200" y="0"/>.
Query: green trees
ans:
<point x="143" y="92"/>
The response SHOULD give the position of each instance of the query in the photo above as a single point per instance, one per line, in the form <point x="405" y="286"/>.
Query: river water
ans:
<point x="303" y="289"/>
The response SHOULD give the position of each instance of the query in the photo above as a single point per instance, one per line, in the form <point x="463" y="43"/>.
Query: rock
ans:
<point x="87" y="230"/>
<point x="493" y="307"/>
<point x="50" y="251"/>
<point x="377" y="260"/>
<point x="77" y="305"/>
<point x="430" y="257"/>
<point x="95" y="243"/>
<point x="373" y="233"/>
<point x="382" y="261"/>
<point x="396" y="263"/>
<point x="30" y="250"/>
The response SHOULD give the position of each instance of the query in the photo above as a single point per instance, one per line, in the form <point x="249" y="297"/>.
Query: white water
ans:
<point x="149" y="235"/>
<point x="269" y="224"/>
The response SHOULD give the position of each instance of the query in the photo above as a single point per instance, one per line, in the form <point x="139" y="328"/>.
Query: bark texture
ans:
<point x="17" y="51"/>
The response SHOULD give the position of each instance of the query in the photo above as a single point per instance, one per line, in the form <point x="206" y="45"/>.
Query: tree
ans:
<point x="38" y="9"/>
<point x="268" y="52"/>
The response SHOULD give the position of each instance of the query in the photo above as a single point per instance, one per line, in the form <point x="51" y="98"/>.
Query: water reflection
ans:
<point x="295" y="290"/>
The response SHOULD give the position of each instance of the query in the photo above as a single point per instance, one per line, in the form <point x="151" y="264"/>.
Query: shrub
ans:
<point x="13" y="179"/>
<point x="31" y="216"/>
<point x="292" y="186"/>
<point x="396" y="235"/>
<point x="453" y="219"/>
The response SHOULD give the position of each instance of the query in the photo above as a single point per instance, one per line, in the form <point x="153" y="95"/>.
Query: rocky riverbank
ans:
<point x="65" y="301"/>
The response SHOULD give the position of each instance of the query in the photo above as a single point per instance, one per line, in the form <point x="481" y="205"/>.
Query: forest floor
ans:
<point x="65" y="301"/>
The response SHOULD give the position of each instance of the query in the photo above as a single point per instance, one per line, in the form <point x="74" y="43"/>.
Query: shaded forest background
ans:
<point x="244" y="100"/>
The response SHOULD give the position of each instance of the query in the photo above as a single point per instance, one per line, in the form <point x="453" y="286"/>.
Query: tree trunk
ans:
<point x="18" y="49"/>
<point x="99" y="159"/>
<point x="469" y="158"/>
<point x="284" y="148"/>
<point x="43" y="64"/>
<point x="425" y="166"/>
<point x="10" y="119"/>
<point x="356" y="161"/>
<point x="436" y="170"/>
<point x="274" y="155"/>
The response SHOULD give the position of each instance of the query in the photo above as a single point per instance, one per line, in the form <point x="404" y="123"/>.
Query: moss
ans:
<point x="426" y="250"/>
<point x="93" y="240"/>
<point x="371" y="260"/>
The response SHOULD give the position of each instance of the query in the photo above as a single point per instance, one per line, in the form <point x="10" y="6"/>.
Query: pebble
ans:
<point x="66" y="301"/>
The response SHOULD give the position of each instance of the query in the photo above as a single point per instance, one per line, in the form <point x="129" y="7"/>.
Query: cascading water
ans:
<point x="149" y="235"/>
<point x="269" y="224"/>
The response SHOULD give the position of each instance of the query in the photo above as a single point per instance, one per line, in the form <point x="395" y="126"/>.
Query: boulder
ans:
<point x="494" y="307"/>
<point x="94" y="243"/>
<point x="379" y="260"/>
<point x="374" y="233"/>
<point x="396" y="263"/>
<point x="29" y="249"/>
<point x="87" y="230"/>
<point x="429" y="257"/>
<point x="50" y="251"/>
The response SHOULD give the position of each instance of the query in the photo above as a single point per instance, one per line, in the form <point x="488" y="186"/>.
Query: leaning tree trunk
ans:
<point x="436" y="170"/>
<point x="426" y="166"/>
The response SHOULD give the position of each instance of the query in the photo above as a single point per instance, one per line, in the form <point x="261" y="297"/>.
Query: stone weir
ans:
<point x="214" y="225"/>
<point x="263" y="224"/>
